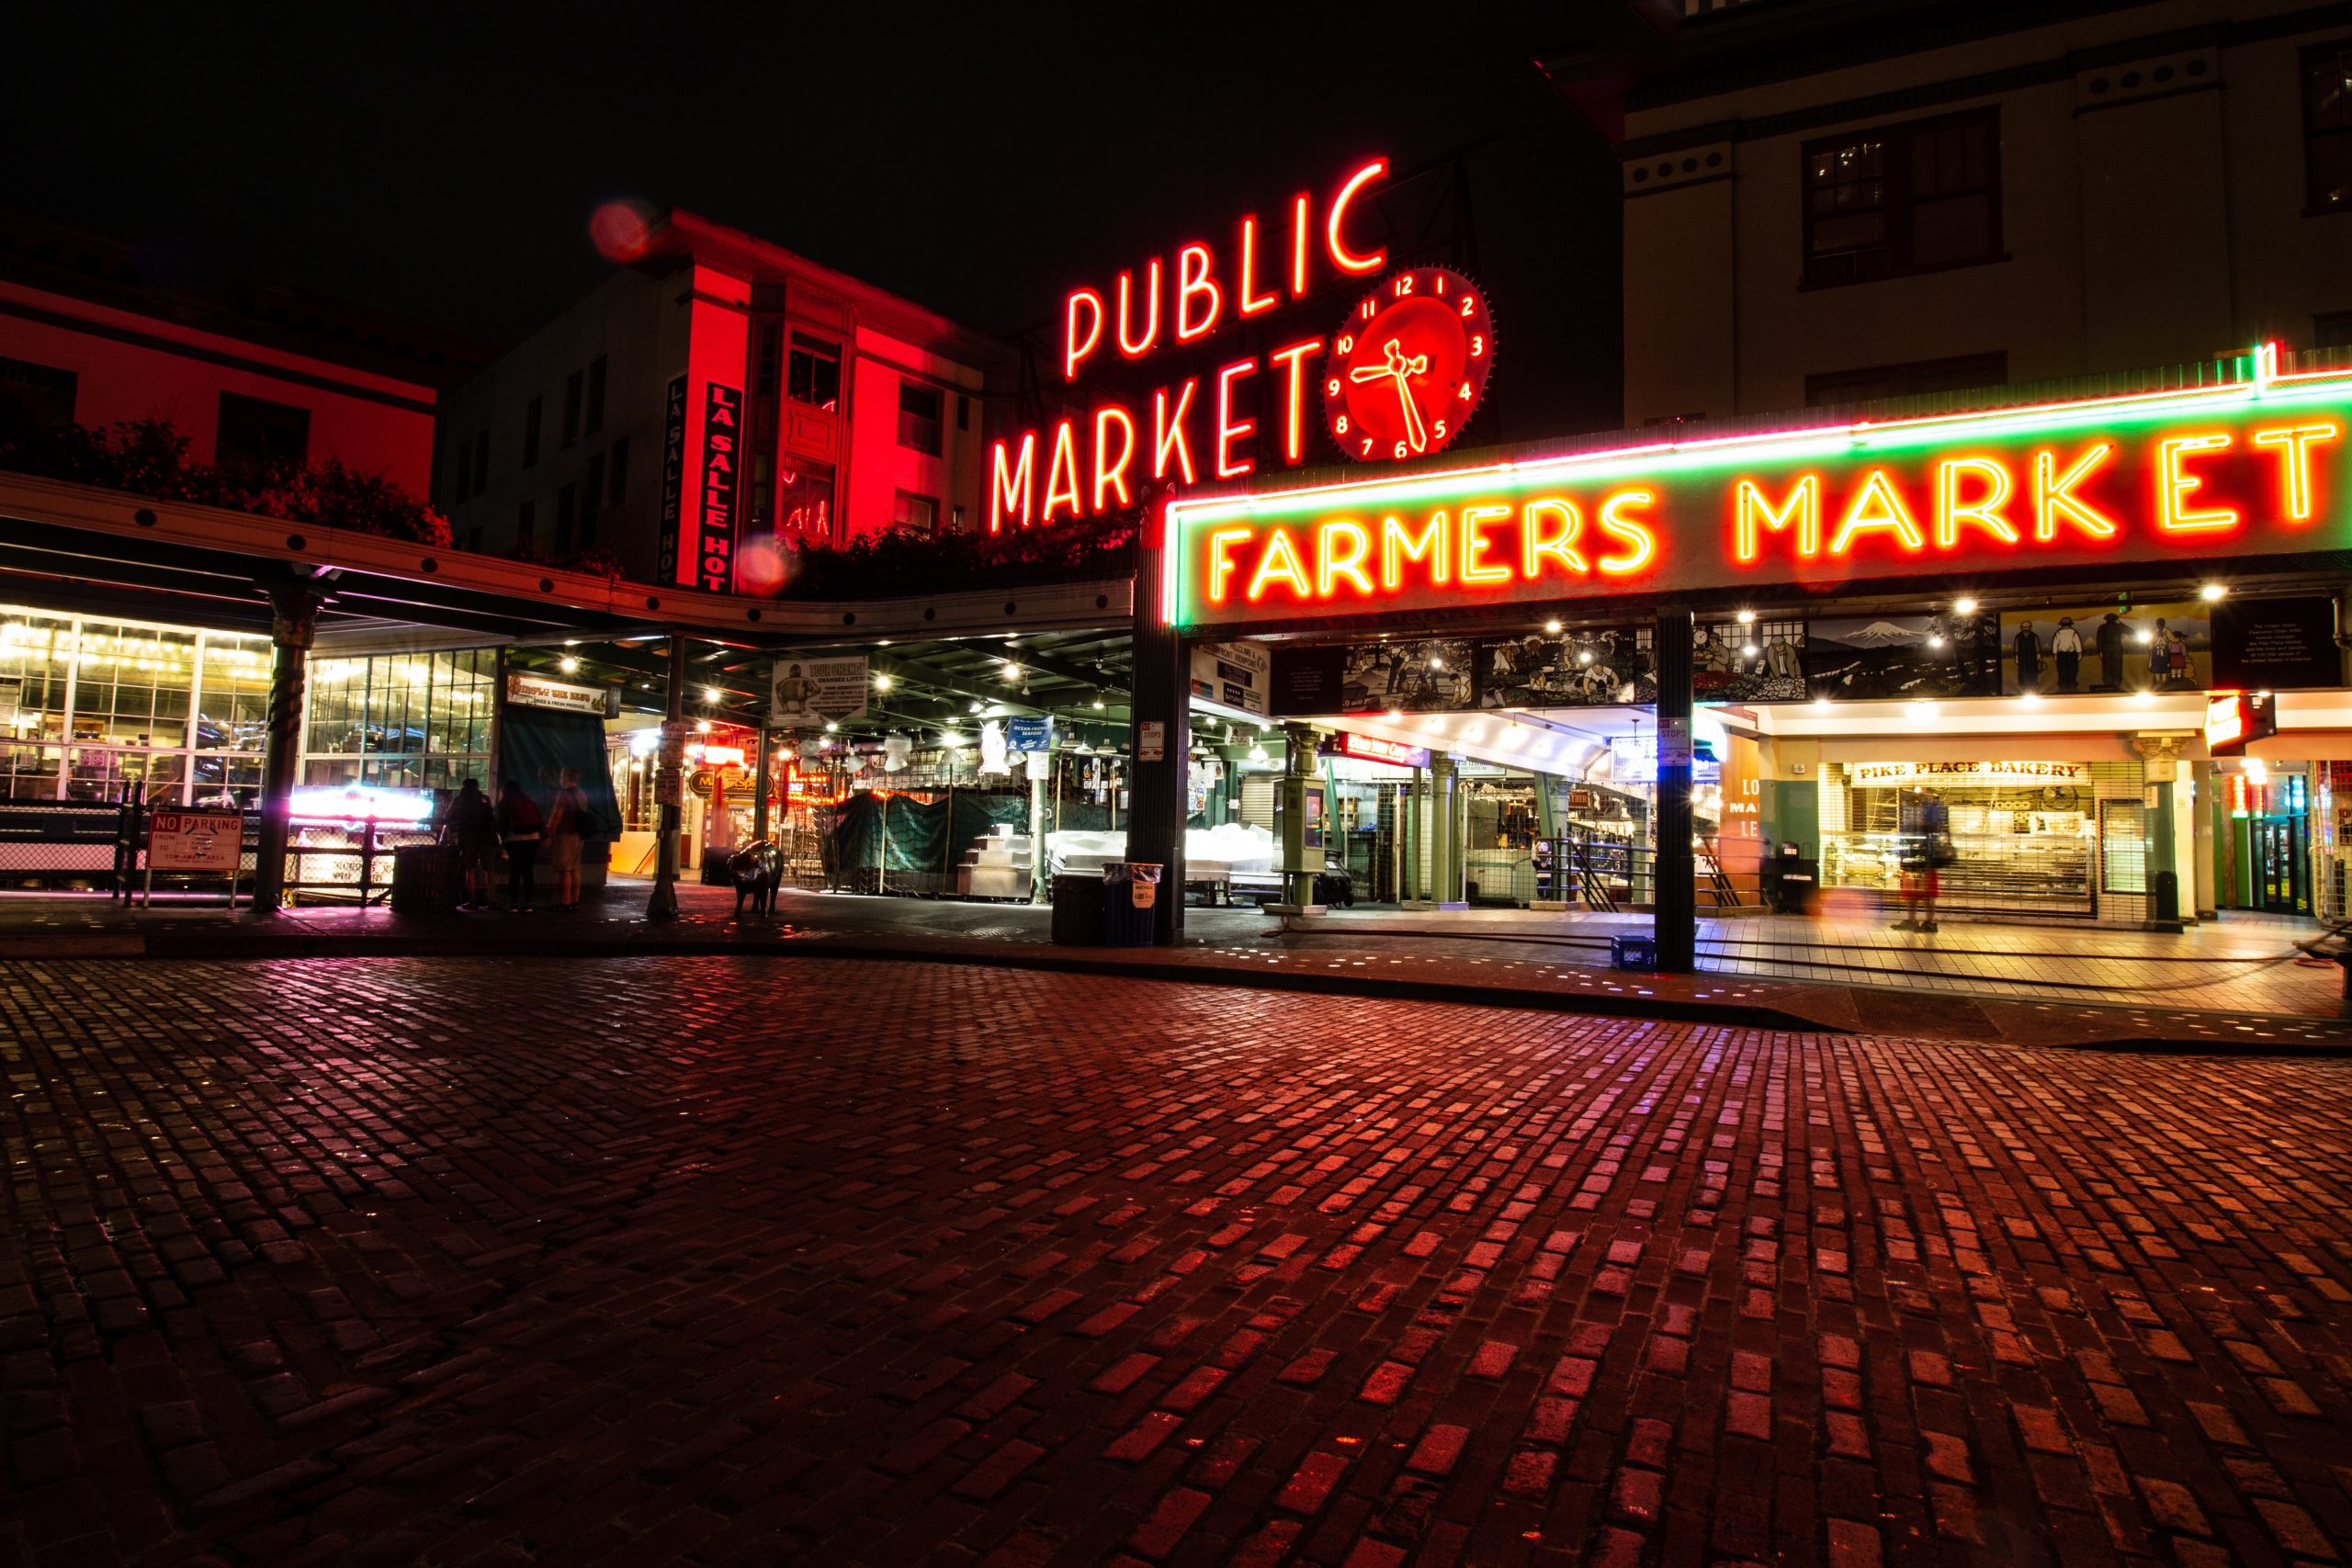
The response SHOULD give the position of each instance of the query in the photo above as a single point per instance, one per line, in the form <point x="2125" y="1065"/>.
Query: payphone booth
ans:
<point x="1302" y="826"/>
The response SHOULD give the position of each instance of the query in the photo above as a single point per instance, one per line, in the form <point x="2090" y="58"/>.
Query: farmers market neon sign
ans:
<point x="2254" y="468"/>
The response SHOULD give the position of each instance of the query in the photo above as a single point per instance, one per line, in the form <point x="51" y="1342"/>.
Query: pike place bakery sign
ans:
<point x="1909" y="775"/>
<point x="2255" y="467"/>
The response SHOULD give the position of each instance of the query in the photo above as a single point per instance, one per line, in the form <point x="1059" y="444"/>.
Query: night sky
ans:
<point x="441" y="163"/>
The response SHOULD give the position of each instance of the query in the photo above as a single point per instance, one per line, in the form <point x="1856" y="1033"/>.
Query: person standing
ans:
<point x="1927" y="850"/>
<point x="475" y="827"/>
<point x="2029" y="650"/>
<point x="567" y="825"/>
<point x="2066" y="649"/>
<point x="2160" y="657"/>
<point x="519" y="825"/>
<point x="2110" y="640"/>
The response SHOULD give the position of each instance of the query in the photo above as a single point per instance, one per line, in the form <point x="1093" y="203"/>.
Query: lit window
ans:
<point x="1903" y="198"/>
<point x="2327" y="125"/>
<point x="919" y="417"/>
<point x="813" y="375"/>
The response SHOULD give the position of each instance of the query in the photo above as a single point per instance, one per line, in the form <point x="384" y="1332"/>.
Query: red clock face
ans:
<point x="1408" y="365"/>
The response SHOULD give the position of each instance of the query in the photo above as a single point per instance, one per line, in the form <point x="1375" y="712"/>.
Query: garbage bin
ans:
<point x="426" y="879"/>
<point x="1077" y="911"/>
<point x="1130" y="904"/>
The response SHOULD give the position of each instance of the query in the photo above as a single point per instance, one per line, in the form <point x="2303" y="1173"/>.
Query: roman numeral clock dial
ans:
<point x="1407" y="366"/>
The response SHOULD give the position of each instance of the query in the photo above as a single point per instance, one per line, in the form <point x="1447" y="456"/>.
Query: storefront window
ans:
<point x="402" y="721"/>
<point x="90" y="709"/>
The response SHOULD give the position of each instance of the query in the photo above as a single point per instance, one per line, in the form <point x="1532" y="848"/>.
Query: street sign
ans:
<point x="1151" y="743"/>
<point x="195" y="840"/>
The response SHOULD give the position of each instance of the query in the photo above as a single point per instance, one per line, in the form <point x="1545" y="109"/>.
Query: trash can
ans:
<point x="1130" y="904"/>
<point x="1077" y="911"/>
<point x="426" y="879"/>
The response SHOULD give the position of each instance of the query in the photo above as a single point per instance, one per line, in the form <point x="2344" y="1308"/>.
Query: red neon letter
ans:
<point x="1168" y="434"/>
<point x="1221" y="565"/>
<point x="1190" y="281"/>
<point x="1226" y="431"/>
<point x="1802" y="509"/>
<point x="1061" y="474"/>
<point x="1072" y="349"/>
<point x="1017" y="489"/>
<point x="2174" y="488"/>
<point x="2294" y="444"/>
<point x="2054" y="495"/>
<point x="1243" y="302"/>
<point x="1877" y="506"/>
<point x="1293" y="440"/>
<point x="1985" y="511"/>
<point x="1535" y="543"/>
<point x="1128" y="344"/>
<point x="1112" y="476"/>
<point x="1298" y="247"/>
<point x="1343" y="258"/>
<point x="1428" y="546"/>
<point x="1331" y="564"/>
<point x="1280" y="563"/>
<point x="1634" y="533"/>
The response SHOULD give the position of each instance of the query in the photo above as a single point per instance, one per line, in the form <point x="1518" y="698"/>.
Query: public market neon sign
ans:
<point x="1083" y="466"/>
<point x="2249" y="469"/>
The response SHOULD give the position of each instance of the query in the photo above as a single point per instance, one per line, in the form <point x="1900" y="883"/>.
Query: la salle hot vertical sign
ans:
<point x="722" y="420"/>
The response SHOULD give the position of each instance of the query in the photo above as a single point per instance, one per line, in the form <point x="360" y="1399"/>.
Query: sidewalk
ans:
<point x="2232" y="984"/>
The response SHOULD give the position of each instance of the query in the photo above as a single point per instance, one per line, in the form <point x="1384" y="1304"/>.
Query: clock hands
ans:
<point x="1396" y="367"/>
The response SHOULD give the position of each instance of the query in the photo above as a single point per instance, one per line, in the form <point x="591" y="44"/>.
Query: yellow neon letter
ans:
<point x="1476" y="567"/>
<point x="1221" y="567"/>
<point x="1398" y="547"/>
<point x="1985" y="511"/>
<point x="2054" y="495"/>
<point x="1280" y="563"/>
<point x="2295" y="442"/>
<point x="1802" y="510"/>
<point x="1877" y="506"/>
<point x="1332" y="564"/>
<point x="1535" y="543"/>
<point x="1634" y="533"/>
<point x="2174" y="488"/>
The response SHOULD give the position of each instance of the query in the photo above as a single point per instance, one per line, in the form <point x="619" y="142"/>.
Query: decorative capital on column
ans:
<point x="2162" y="747"/>
<point x="294" y="608"/>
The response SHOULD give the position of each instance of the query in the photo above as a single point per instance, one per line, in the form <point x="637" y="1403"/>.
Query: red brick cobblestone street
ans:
<point x="723" y="1260"/>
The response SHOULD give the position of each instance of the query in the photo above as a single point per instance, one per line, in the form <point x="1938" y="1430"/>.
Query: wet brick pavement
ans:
<point x="719" y="1260"/>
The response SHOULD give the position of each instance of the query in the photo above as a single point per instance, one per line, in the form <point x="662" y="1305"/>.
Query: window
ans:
<point x="567" y="506"/>
<point x="814" y="373"/>
<point x="463" y="472"/>
<point x="771" y="350"/>
<point x="915" y="514"/>
<point x="919" y="417"/>
<point x="35" y="396"/>
<point x="1862" y="386"/>
<point x="963" y="411"/>
<point x="533" y="414"/>
<point x="573" y="385"/>
<point x="957" y="514"/>
<point x="255" y="431"/>
<point x="481" y="462"/>
<point x="1903" y="198"/>
<point x="2327" y="125"/>
<point x="592" y="496"/>
<point x="2123" y="846"/>
<point x="595" y="394"/>
<point x="805" y="509"/>
<point x="526" y="522"/>
<point x="620" y="470"/>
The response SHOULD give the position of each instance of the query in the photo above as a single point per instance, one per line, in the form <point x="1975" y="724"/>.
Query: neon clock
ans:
<point x="1408" y="365"/>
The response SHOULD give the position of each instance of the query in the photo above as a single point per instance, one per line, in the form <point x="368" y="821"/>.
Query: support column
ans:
<point x="1445" y="838"/>
<point x="2160" y="768"/>
<point x="663" y="903"/>
<point x="1674" y="899"/>
<point x="1160" y="741"/>
<point x="759" y="794"/>
<point x="1408" y="819"/>
<point x="1300" y="862"/>
<point x="1037" y="771"/>
<point x="293" y="627"/>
